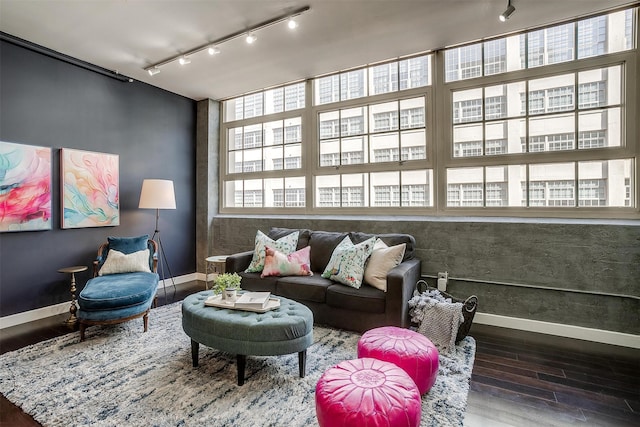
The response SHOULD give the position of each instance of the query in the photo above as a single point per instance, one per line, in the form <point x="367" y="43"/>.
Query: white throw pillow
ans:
<point x="381" y="261"/>
<point x="117" y="262"/>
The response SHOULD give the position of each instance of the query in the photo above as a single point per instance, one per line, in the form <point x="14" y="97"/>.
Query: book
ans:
<point x="253" y="300"/>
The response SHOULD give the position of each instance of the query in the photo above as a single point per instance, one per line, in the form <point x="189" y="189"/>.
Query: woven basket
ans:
<point x="469" y="308"/>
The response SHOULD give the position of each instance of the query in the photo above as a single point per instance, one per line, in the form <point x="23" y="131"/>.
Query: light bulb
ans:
<point x="251" y="38"/>
<point x="214" y="50"/>
<point x="292" y="24"/>
<point x="153" y="71"/>
<point x="184" y="60"/>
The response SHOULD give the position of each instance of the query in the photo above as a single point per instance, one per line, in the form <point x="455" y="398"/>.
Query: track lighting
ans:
<point x="212" y="46"/>
<point x="507" y="13"/>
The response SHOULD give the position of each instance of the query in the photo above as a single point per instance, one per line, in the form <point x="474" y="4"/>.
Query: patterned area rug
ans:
<point x="120" y="376"/>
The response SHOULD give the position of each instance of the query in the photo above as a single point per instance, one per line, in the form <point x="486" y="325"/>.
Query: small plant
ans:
<point x="226" y="281"/>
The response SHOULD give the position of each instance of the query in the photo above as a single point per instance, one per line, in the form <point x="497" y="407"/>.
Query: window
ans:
<point x="378" y="79"/>
<point x="549" y="124"/>
<point x="290" y="197"/>
<point x="540" y="123"/>
<point x="592" y="37"/>
<point x="266" y="145"/>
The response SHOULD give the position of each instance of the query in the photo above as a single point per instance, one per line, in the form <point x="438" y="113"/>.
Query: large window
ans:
<point x="563" y="131"/>
<point x="539" y="123"/>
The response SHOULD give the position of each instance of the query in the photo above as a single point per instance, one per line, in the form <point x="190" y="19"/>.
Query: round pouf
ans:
<point x="367" y="392"/>
<point x="407" y="349"/>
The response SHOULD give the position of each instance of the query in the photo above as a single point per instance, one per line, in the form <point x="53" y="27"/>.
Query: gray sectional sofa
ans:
<point x="332" y="303"/>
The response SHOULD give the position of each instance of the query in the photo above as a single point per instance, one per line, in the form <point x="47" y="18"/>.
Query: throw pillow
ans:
<point x="347" y="262"/>
<point x="128" y="245"/>
<point x="286" y="245"/>
<point x="295" y="264"/>
<point x="382" y="259"/>
<point x="117" y="262"/>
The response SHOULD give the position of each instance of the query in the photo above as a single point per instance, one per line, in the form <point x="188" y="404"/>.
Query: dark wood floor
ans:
<point x="518" y="378"/>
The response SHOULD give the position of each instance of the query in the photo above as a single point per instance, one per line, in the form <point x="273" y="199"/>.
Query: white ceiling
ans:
<point x="128" y="35"/>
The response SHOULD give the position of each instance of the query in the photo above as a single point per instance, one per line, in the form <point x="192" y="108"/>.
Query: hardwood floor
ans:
<point x="519" y="379"/>
<point x="524" y="379"/>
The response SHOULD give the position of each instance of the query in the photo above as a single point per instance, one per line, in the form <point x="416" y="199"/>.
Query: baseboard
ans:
<point x="567" y="331"/>
<point x="54" y="310"/>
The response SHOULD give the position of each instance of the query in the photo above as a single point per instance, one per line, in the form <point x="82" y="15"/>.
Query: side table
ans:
<point x="218" y="265"/>
<point x="72" y="310"/>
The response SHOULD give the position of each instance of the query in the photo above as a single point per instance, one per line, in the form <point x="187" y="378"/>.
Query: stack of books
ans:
<point x="252" y="300"/>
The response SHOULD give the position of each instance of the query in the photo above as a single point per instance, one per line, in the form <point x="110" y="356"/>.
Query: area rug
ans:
<point x="120" y="376"/>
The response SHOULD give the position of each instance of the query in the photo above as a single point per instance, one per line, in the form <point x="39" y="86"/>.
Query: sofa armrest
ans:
<point x="401" y="282"/>
<point x="238" y="262"/>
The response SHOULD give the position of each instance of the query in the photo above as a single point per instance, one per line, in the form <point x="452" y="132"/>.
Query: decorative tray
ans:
<point x="217" y="301"/>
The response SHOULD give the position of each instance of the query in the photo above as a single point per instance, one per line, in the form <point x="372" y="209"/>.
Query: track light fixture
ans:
<point x="212" y="47"/>
<point x="507" y="13"/>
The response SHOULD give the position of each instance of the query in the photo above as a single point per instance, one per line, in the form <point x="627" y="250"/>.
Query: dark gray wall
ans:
<point x="494" y="255"/>
<point x="47" y="102"/>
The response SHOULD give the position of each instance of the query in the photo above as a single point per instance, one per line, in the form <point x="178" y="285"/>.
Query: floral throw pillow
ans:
<point x="347" y="262"/>
<point x="286" y="244"/>
<point x="295" y="264"/>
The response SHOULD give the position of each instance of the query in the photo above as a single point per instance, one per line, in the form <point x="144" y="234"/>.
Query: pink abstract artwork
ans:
<point x="89" y="189"/>
<point x="25" y="187"/>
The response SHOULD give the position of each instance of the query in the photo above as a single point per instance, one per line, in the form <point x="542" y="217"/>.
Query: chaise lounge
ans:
<point x="124" y="283"/>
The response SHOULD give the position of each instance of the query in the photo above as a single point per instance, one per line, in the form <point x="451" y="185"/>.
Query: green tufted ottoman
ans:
<point x="285" y="330"/>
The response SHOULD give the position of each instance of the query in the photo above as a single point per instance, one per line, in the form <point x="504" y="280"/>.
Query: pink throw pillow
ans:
<point x="278" y="264"/>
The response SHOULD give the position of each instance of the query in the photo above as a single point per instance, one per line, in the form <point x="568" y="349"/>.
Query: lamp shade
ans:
<point x="157" y="194"/>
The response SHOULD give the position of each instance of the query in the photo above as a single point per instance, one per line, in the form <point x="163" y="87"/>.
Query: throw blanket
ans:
<point x="438" y="318"/>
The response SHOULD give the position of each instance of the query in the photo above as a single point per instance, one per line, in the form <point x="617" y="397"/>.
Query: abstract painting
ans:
<point x="89" y="189"/>
<point x="25" y="187"/>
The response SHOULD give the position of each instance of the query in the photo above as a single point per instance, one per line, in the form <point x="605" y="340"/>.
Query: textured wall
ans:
<point x="583" y="256"/>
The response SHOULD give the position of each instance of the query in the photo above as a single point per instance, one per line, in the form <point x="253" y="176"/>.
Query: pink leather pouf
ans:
<point x="367" y="393"/>
<point x="407" y="349"/>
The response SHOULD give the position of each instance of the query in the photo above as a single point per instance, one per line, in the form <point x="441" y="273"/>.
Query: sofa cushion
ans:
<point x="303" y="235"/>
<point x="303" y="288"/>
<point x="347" y="262"/>
<point x="391" y="239"/>
<point x="253" y="282"/>
<point x="365" y="299"/>
<point x="286" y="244"/>
<point x="322" y="245"/>
<point x="118" y="290"/>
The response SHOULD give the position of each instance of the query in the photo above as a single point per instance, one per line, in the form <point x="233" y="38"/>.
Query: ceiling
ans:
<point x="128" y="35"/>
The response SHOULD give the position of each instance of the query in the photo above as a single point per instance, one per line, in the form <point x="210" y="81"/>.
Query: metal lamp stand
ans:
<point x="162" y="256"/>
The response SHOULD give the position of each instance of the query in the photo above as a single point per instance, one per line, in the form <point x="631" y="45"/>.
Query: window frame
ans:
<point x="439" y="136"/>
<point x="629" y="149"/>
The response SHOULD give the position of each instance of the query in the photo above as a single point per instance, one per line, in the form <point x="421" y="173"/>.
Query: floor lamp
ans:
<point x="158" y="194"/>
